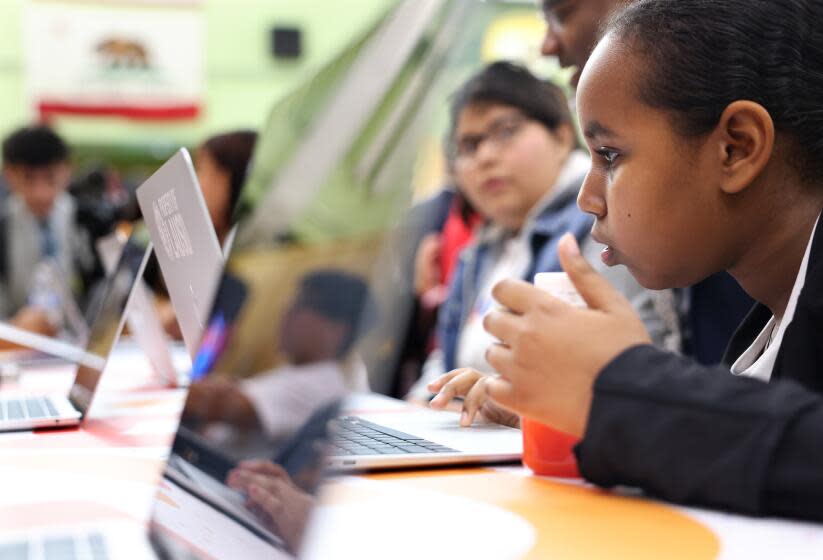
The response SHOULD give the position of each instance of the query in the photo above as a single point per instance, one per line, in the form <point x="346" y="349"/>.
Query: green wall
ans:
<point x="242" y="79"/>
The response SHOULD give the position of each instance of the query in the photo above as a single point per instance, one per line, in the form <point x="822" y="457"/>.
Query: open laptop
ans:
<point x="250" y="318"/>
<point x="142" y="319"/>
<point x="35" y="349"/>
<point x="54" y="411"/>
<point x="184" y="241"/>
<point x="196" y="514"/>
<point x="408" y="438"/>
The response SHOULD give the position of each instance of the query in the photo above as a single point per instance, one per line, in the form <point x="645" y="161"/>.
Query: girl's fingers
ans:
<point x="458" y="386"/>
<point x="473" y="402"/>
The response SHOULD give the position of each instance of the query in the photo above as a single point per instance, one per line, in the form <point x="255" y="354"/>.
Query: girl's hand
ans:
<point x="550" y="353"/>
<point x="470" y="384"/>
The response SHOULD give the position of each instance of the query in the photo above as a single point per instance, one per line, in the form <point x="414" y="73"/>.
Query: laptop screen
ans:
<point x="314" y="299"/>
<point x="111" y="305"/>
<point x="185" y="242"/>
<point x="280" y="350"/>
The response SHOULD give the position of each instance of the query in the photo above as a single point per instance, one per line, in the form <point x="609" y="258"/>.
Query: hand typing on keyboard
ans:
<point x="471" y="385"/>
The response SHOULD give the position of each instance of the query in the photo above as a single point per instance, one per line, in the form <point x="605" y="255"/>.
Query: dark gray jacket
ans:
<point x="699" y="435"/>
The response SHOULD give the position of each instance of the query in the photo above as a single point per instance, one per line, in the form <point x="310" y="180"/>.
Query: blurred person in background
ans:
<point x="517" y="162"/>
<point x="330" y="312"/>
<point x="39" y="225"/>
<point x="435" y="231"/>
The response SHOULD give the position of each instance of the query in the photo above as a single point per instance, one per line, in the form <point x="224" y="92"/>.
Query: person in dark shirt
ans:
<point x="703" y="119"/>
<point x="710" y="310"/>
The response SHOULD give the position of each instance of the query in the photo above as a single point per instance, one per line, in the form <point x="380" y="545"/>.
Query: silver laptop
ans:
<point x="184" y="241"/>
<point x="144" y="323"/>
<point x="418" y="438"/>
<point x="72" y="337"/>
<point x="196" y="514"/>
<point x="249" y="318"/>
<point x="55" y="411"/>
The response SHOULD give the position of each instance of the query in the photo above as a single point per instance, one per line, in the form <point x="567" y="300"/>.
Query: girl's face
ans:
<point x="654" y="192"/>
<point x="505" y="162"/>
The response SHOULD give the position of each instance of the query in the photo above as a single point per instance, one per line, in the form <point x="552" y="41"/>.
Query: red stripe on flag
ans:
<point x="166" y="113"/>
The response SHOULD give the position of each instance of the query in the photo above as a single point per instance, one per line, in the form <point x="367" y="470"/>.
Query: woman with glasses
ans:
<point x="515" y="158"/>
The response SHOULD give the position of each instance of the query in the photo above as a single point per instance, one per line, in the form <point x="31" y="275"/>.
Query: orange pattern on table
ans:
<point x="576" y="522"/>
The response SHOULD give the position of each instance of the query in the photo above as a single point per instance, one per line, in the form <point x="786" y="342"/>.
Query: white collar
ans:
<point x="758" y="360"/>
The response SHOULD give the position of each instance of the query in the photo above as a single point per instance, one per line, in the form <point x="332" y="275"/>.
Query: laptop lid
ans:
<point x="114" y="295"/>
<point x="185" y="242"/>
<point x="141" y="316"/>
<point x="282" y="344"/>
<point x="286" y="322"/>
<point x="108" y="322"/>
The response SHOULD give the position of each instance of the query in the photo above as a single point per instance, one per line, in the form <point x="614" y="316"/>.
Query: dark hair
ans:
<point x="341" y="297"/>
<point x="510" y="84"/>
<point x="699" y="56"/>
<point x="232" y="152"/>
<point x="34" y="146"/>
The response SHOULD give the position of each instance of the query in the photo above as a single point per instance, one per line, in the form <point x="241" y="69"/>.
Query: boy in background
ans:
<point x="38" y="224"/>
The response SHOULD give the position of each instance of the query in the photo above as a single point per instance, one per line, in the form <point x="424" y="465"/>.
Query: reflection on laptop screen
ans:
<point x="280" y="351"/>
<point x="109" y="320"/>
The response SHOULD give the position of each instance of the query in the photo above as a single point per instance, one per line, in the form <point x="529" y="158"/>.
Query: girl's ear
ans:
<point x="746" y="132"/>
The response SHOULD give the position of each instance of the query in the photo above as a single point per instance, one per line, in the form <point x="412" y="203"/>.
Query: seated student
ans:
<point x="515" y="161"/>
<point x="38" y="223"/>
<point x="704" y="121"/>
<point x="709" y="311"/>
<point x="324" y="321"/>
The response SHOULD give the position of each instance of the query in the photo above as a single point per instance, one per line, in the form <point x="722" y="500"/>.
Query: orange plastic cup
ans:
<point x="547" y="451"/>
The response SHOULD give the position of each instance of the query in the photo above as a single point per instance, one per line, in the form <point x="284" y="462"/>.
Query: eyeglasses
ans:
<point x="499" y="135"/>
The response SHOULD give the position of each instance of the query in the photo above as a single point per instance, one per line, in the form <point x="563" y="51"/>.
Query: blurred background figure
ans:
<point x="436" y="229"/>
<point x="47" y="259"/>
<point x="517" y="161"/>
<point x="328" y="314"/>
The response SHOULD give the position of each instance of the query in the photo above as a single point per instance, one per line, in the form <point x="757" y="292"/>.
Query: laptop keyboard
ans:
<point x="90" y="546"/>
<point x="354" y="436"/>
<point x="21" y="409"/>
